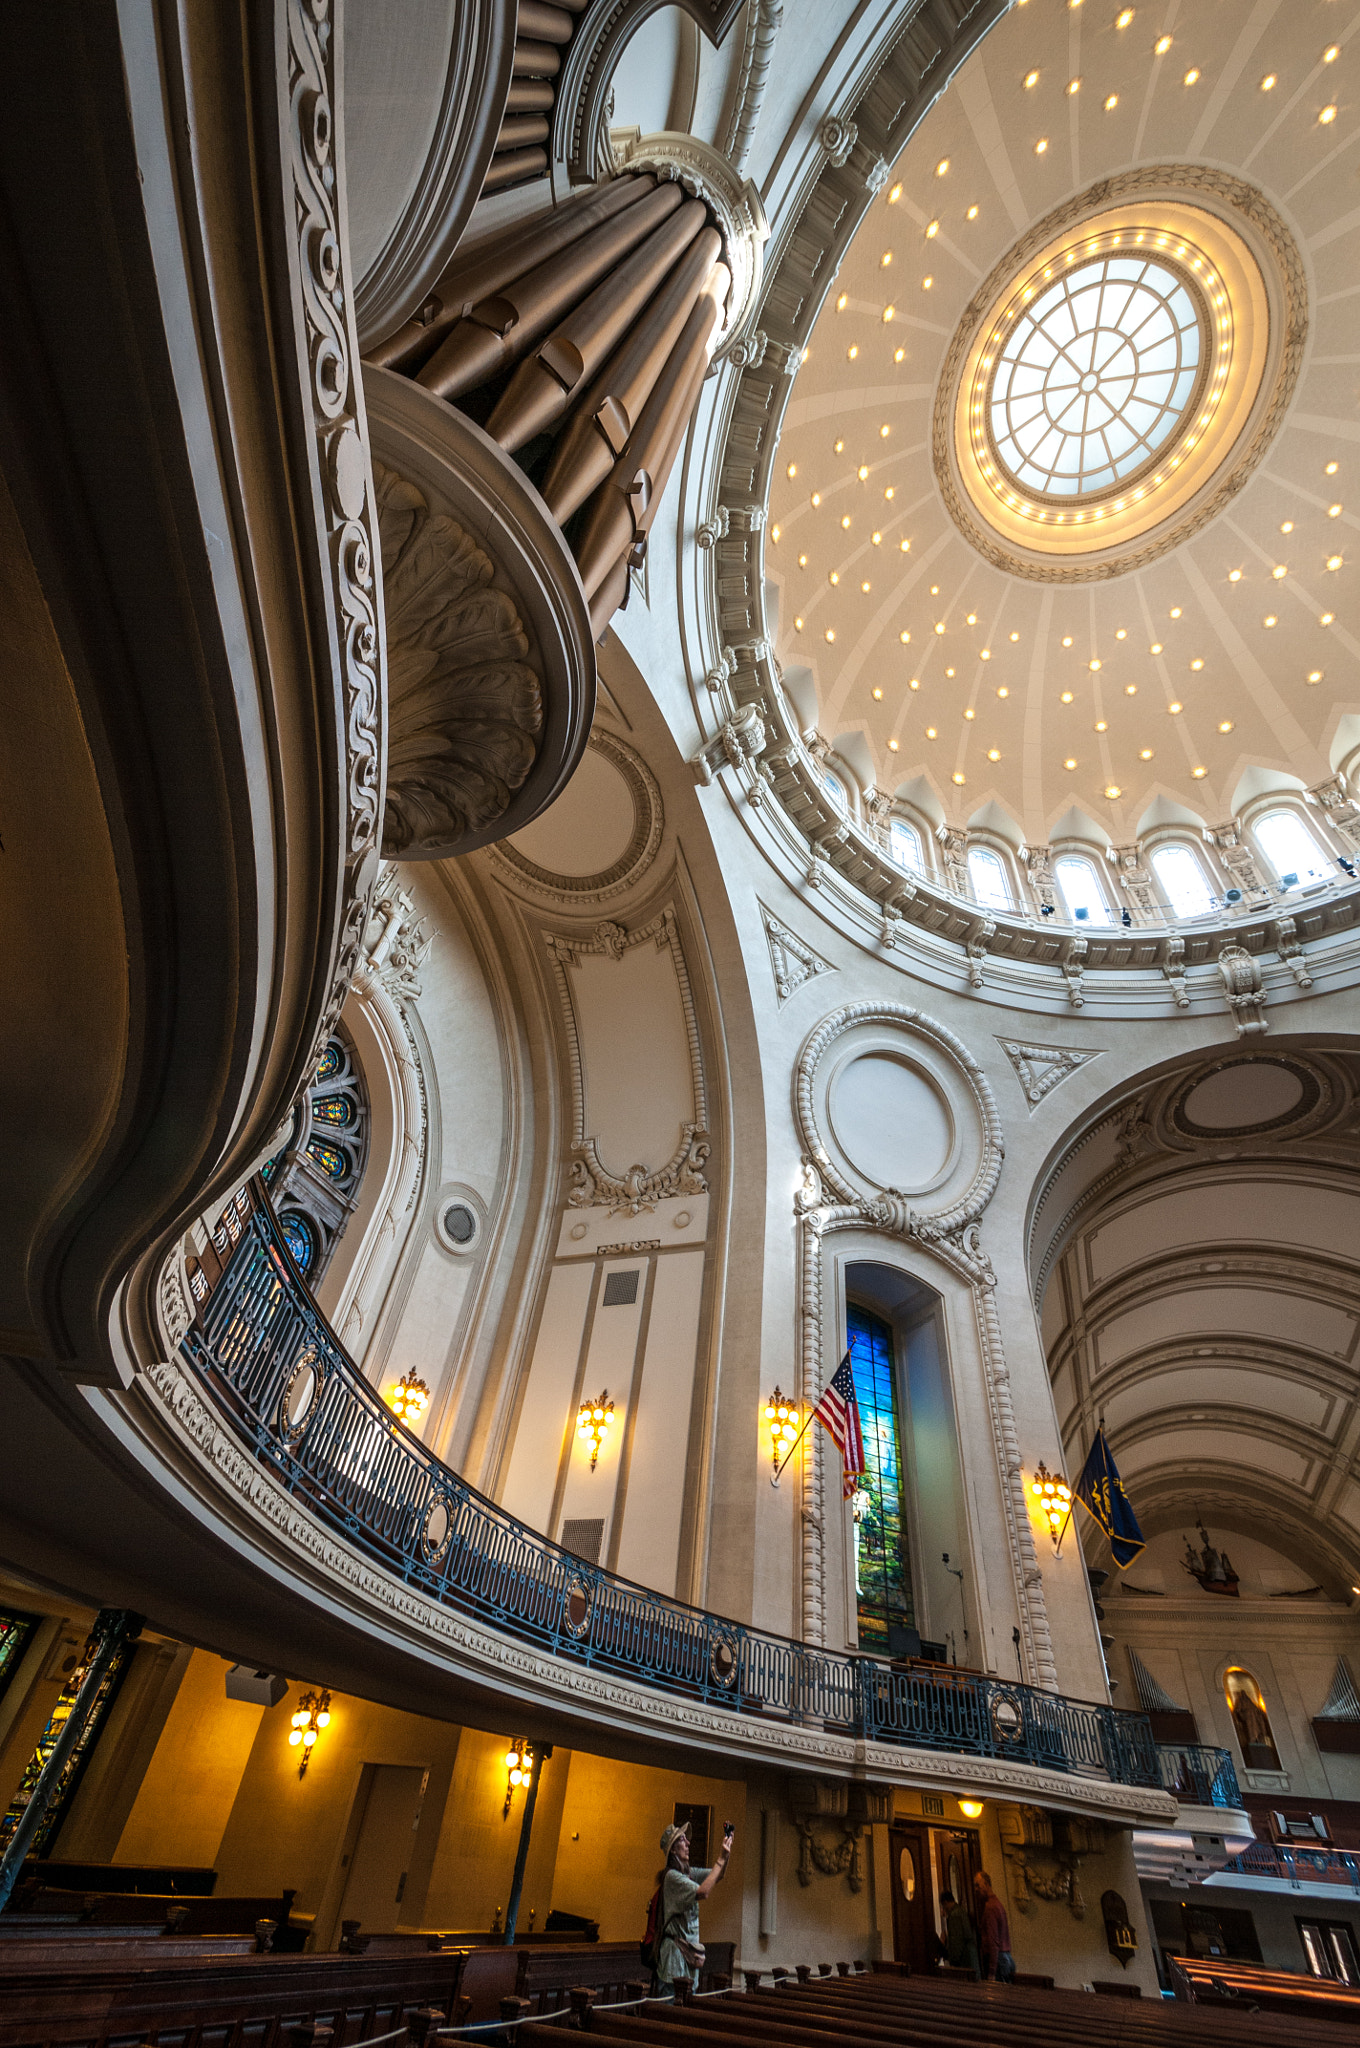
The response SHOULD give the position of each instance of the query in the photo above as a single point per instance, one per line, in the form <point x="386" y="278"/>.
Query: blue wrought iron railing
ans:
<point x="1199" y="1776"/>
<point x="1292" y="1864"/>
<point x="272" y="1365"/>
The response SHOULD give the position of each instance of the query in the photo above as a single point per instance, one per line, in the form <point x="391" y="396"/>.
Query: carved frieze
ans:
<point x="793" y="960"/>
<point x="1042" y="1068"/>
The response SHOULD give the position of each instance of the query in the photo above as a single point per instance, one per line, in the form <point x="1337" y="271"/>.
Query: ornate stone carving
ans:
<point x="838" y="138"/>
<point x="842" y="1860"/>
<point x="762" y="28"/>
<point x="1042" y="1068"/>
<point x="1147" y="181"/>
<point x="1073" y="963"/>
<point x="342" y="461"/>
<point x="712" y="530"/>
<point x="737" y="743"/>
<point x="979" y="939"/>
<point x="954" y="858"/>
<point x="1240" y="862"/>
<point x="736" y="206"/>
<point x="396" y="943"/>
<point x="1242" y="990"/>
<point x="591" y="1183"/>
<point x="750" y="353"/>
<point x="465" y="707"/>
<point x="1291" y="951"/>
<point x="793" y="960"/>
<point x="1039" y="866"/>
<point x="1173" y="967"/>
<point x="1135" y="880"/>
<point x="1342" y="814"/>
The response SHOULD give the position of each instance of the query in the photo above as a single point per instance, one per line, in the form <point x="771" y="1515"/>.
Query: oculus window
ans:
<point x="1081" y="890"/>
<point x="1096" y="373"/>
<point x="1182" y="880"/>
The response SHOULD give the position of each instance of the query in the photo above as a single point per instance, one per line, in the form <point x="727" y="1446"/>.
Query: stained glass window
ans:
<point x="882" y="1566"/>
<point x="331" y="1061"/>
<point x="16" y="1632"/>
<point x="300" y="1239"/>
<point x="79" y="1756"/>
<point x="333" y="1109"/>
<point x="329" y="1158"/>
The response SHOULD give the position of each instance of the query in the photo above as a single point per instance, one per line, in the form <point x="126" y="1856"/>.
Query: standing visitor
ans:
<point x="998" y="1964"/>
<point x="960" y="1942"/>
<point x="680" y="1956"/>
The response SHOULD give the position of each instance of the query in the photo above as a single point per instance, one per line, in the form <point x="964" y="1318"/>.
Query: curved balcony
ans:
<point x="265" y="1358"/>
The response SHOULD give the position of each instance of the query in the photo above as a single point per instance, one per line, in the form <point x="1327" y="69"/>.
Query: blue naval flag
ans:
<point x="1101" y="1491"/>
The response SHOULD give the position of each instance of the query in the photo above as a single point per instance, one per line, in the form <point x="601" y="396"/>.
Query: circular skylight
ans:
<point x="1096" y="373"/>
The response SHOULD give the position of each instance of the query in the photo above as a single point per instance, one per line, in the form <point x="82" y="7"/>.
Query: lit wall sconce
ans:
<point x="519" y="1763"/>
<point x="592" y="1423"/>
<point x="1054" y="1496"/>
<point x="781" y="1415"/>
<point x="313" y="1714"/>
<point x="971" y="1809"/>
<point x="409" y="1398"/>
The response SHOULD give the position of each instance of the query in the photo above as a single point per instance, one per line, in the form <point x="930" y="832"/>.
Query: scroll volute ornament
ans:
<point x="465" y="708"/>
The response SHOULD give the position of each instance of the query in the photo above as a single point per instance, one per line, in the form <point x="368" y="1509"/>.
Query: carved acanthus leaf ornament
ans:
<point x="465" y="708"/>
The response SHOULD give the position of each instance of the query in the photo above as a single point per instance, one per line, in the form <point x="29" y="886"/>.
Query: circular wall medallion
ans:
<point x="599" y="837"/>
<point x="436" y="1530"/>
<point x="891" y="1122"/>
<point x="1120" y="373"/>
<point x="1245" y="1097"/>
<point x="301" y="1393"/>
<point x="459" y="1219"/>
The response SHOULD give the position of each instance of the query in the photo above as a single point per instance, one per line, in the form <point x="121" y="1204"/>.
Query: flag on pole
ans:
<point x="838" y="1412"/>
<point x="1101" y="1492"/>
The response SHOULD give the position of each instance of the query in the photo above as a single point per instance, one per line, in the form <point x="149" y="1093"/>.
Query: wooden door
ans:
<point x="958" y="1858"/>
<point x="381" y="1857"/>
<point x="913" y="1897"/>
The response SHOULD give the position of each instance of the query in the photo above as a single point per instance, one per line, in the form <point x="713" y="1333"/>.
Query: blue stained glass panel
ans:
<point x="333" y="1109"/>
<point x="300" y="1239"/>
<point x="882" y="1567"/>
<point x="329" y="1158"/>
<point x="330" y="1062"/>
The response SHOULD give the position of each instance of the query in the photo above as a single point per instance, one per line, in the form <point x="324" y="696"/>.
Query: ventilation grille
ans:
<point x="584" y="1539"/>
<point x="621" y="1288"/>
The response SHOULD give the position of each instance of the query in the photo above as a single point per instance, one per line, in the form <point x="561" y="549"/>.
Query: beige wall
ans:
<point x="186" y="1797"/>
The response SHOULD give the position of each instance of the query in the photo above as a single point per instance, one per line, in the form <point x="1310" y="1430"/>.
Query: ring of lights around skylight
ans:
<point x="1037" y="501"/>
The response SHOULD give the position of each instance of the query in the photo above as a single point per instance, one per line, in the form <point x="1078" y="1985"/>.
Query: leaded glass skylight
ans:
<point x="1096" y="373"/>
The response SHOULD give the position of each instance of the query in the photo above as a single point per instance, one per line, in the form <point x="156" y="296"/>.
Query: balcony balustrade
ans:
<point x="1199" y="1776"/>
<point x="270" y="1363"/>
<point x="1289" y="1863"/>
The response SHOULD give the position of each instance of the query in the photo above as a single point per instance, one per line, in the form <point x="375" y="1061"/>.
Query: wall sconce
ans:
<point x="519" y="1762"/>
<point x="592" y="1423"/>
<point x="1053" y="1494"/>
<point x="971" y="1809"/>
<point x="313" y="1714"/>
<point x="782" y="1416"/>
<point x="409" y="1398"/>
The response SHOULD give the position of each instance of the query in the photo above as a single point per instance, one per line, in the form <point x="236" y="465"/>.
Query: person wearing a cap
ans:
<point x="681" y="1953"/>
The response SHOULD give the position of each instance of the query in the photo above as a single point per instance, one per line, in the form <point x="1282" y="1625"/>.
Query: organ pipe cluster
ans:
<point x="541" y="34"/>
<point x="580" y="343"/>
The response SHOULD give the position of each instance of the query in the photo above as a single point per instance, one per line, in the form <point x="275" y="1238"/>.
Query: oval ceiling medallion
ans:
<point x="1120" y="374"/>
<point x="1242" y="1098"/>
<point x="599" y="837"/>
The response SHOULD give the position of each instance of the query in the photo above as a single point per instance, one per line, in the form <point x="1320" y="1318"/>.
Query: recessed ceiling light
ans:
<point x="1111" y="102"/>
<point x="1286" y="526"/>
<point x="1175" y="611"/>
<point x="885" y="260"/>
<point x="1269" y="82"/>
<point x="1124" y="17"/>
<point x="969" y="713"/>
<point x="1333" y="511"/>
<point x="901" y="356"/>
<point x="1015" y="636"/>
<point x="798" y="625"/>
<point x="1003" y="691"/>
<point x="894" y="195"/>
<point x="1068" y="641"/>
<point x="1121" y="633"/>
<point x="1199" y="773"/>
<point x="986" y="654"/>
<point x="1073" y="86"/>
<point x="959" y="777"/>
<point x="1331" y="469"/>
<point x="1192" y="76"/>
<point x="972" y="213"/>
<point x="993" y="753"/>
<point x="915" y="683"/>
<point x="1161" y="46"/>
<point x="1067" y="696"/>
<point x="830" y="633"/>
<point x="1326" y="117"/>
<point x="1325" y="618"/>
<point x="774" y="533"/>
<point x="1101" y="725"/>
<point x="1145" y="754"/>
<point x="863" y="471"/>
<point x="1069" y="763"/>
<point x="1315" y="675"/>
<point x="1331" y="53"/>
<point x="842" y="302"/>
<point x="852" y="352"/>
<point x="892" y="746"/>
<point x="878" y="695"/>
<point x="1334" y="561"/>
<point x="815" y="500"/>
<point x="1113" y="790"/>
<point x="904" y="637"/>
<point x="1031" y="80"/>
<point x="1175" y="708"/>
<point x="802" y="561"/>
<point x="931" y="733"/>
<point x="865" y="588"/>
<point x="942" y="167"/>
<point x="1094" y="667"/>
<point x="845" y="521"/>
<point x="890" y="312"/>
<point x="1130" y="689"/>
<point x="875" y="538"/>
<point x="972" y="618"/>
<point x="904" y="545"/>
<point x="1234" y="575"/>
<point x="939" y="625"/>
<point x="1279" y="571"/>
<point x="1270" y="620"/>
<point x="793" y="469"/>
<point x="1225" y="725"/>
<point x="1197" y="663"/>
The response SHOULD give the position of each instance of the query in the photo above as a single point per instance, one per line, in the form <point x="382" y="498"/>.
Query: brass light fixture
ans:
<point x="1053" y="1494"/>
<point x="313" y="1714"/>
<point x="409" y="1398"/>
<point x="519" y="1763"/>
<point x="781" y="1414"/>
<point x="971" y="1809"/>
<point x="593" y="1421"/>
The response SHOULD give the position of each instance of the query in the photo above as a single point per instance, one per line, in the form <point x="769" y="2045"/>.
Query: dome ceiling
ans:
<point x="1058" y="686"/>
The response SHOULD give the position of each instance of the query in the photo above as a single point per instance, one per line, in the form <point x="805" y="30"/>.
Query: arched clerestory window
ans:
<point x="1081" y="888"/>
<point x="314" y="1181"/>
<point x="1290" y="848"/>
<point x="904" y="845"/>
<point x="990" y="882"/>
<point x="1183" y="881"/>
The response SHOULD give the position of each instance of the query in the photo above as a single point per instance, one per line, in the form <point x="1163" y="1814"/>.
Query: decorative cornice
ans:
<point x="736" y="206"/>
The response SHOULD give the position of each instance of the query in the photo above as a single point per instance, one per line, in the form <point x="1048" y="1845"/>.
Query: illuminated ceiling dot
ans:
<point x="1234" y="575"/>
<point x="1225" y="725"/>
<point x="1269" y="82"/>
<point x="1145" y="754"/>
<point x="993" y="753"/>
<point x="904" y="637"/>
<point x="1041" y="145"/>
<point x="892" y="746"/>
<point x="1199" y="773"/>
<point x="1113" y="790"/>
<point x="1101" y="725"/>
<point x="1192" y="77"/>
<point x="1333" y="511"/>
<point x="1161" y="46"/>
<point x="942" y="167"/>
<point x="1315" y="675"/>
<point x="1031" y="80"/>
<point x="1334" y="561"/>
<point x="830" y="633"/>
<point x="878" y="695"/>
<point x="958" y="777"/>
<point x="1156" y="647"/>
<point x="1111" y="102"/>
<point x="1003" y="691"/>
<point x="1174" y="709"/>
<point x="1325" y="618"/>
<point x="972" y="213"/>
<point x="1067" y="696"/>
<point x="1069" y="763"/>
<point x="1270" y="620"/>
<point x="1326" y="117"/>
<point x="1331" y="469"/>
<point x="1130" y="689"/>
<point x="1197" y="664"/>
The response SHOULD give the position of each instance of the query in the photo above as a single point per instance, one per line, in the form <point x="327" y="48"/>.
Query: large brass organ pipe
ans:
<point x="544" y="385"/>
<point x="481" y="272"/>
<point x="504" y="326"/>
<point x="543" y="24"/>
<point x="604" y="417"/>
<point x="622" y="509"/>
<point x="641" y="503"/>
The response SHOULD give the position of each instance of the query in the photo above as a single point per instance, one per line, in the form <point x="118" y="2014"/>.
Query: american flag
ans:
<point x="838" y="1412"/>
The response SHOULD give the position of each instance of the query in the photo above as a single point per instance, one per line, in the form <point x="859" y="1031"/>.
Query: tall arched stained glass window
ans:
<point x="882" y="1564"/>
<point x="314" y="1181"/>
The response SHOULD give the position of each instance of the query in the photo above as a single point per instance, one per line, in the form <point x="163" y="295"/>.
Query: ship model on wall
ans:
<point x="1210" y="1567"/>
